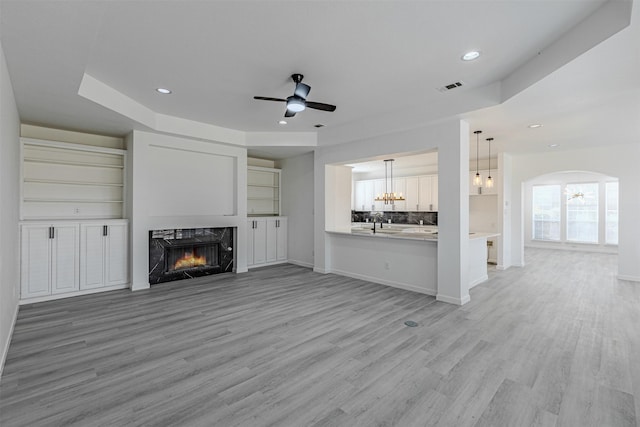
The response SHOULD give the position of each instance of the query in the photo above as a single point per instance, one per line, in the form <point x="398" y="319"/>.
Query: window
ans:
<point x="582" y="212"/>
<point x="546" y="212"/>
<point x="575" y="212"/>
<point x="611" y="213"/>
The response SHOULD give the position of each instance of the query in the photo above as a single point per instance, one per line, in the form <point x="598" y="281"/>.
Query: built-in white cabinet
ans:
<point x="67" y="258"/>
<point x="62" y="180"/>
<point x="266" y="241"/>
<point x="263" y="191"/>
<point x="420" y="193"/>
<point x="49" y="259"/>
<point x="276" y="240"/>
<point x="103" y="254"/>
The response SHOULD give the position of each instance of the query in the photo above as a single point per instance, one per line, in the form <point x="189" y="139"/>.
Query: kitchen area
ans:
<point x="392" y="237"/>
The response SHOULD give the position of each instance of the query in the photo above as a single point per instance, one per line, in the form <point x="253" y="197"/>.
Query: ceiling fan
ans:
<point x="298" y="101"/>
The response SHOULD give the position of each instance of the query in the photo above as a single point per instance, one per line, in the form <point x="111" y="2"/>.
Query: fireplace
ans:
<point x="184" y="253"/>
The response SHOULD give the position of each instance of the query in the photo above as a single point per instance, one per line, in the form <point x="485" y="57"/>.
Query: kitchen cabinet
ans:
<point x="49" y="259"/>
<point x="363" y="191"/>
<point x="412" y="193"/>
<point x="266" y="241"/>
<point x="103" y="254"/>
<point x="428" y="193"/>
<point x="420" y="193"/>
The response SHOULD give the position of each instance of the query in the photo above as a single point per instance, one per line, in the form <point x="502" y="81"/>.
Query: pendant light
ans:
<point x="389" y="196"/>
<point x="489" y="181"/>
<point x="477" y="180"/>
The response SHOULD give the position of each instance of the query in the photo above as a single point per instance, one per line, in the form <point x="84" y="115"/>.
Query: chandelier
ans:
<point x="389" y="196"/>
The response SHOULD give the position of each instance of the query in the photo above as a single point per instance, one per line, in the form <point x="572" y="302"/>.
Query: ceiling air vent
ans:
<point x="450" y="86"/>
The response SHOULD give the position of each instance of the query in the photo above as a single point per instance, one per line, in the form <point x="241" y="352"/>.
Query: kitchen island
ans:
<point x="399" y="255"/>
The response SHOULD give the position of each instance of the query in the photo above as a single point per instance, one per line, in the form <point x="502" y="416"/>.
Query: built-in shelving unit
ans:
<point x="71" y="181"/>
<point x="263" y="191"/>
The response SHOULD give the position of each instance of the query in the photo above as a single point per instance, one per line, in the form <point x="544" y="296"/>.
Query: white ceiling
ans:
<point x="380" y="62"/>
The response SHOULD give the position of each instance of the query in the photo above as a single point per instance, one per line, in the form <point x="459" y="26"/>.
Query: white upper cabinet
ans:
<point x="411" y="194"/>
<point x="420" y="193"/>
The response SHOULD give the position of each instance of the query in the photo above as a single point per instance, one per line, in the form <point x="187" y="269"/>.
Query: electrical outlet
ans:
<point x="76" y="211"/>
<point x="386" y="265"/>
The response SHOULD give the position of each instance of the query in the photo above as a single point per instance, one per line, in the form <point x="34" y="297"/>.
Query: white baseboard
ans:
<point x="241" y="270"/>
<point x="73" y="294"/>
<point x="453" y="300"/>
<point x="478" y="281"/>
<point x="266" y="264"/>
<point x="301" y="263"/>
<point x="628" y="278"/>
<point x="391" y="283"/>
<point x="5" y="350"/>
<point x="320" y="270"/>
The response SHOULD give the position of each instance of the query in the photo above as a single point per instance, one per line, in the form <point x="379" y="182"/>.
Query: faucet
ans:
<point x="376" y="219"/>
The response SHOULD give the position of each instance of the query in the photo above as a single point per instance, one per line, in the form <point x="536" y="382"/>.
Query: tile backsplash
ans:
<point x="428" y="218"/>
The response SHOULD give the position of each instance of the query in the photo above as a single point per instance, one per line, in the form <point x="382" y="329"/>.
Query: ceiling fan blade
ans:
<point x="320" y="106"/>
<point x="266" y="98"/>
<point x="302" y="90"/>
<point x="289" y="113"/>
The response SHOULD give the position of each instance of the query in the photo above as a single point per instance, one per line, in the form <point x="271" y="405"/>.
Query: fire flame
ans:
<point x="190" y="261"/>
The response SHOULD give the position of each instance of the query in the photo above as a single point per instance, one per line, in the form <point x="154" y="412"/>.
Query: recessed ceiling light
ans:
<point x="163" y="91"/>
<point x="535" y="126"/>
<point x="470" y="56"/>
<point x="282" y="122"/>
<point x="554" y="145"/>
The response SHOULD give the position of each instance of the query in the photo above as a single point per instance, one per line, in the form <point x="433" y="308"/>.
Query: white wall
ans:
<point x="207" y="185"/>
<point x="450" y="138"/>
<point x="297" y="206"/>
<point x="9" y="195"/>
<point x="619" y="161"/>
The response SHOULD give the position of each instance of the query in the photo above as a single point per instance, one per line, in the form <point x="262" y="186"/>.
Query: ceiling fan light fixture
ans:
<point x="295" y="105"/>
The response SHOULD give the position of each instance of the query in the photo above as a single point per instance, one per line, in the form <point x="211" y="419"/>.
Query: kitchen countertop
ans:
<point x="402" y="231"/>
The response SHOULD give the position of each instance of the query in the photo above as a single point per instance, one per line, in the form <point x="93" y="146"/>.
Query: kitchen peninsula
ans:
<point x="400" y="255"/>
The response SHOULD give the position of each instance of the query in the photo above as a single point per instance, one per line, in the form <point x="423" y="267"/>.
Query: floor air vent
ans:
<point x="410" y="323"/>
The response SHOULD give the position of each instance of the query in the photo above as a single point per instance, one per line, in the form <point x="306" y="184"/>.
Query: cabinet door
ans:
<point x="378" y="191"/>
<point x="35" y="260"/>
<point x="400" y="188"/>
<point x="281" y="240"/>
<point x="64" y="258"/>
<point x="272" y="242"/>
<point x="92" y="256"/>
<point x="434" y="193"/>
<point x="411" y="195"/>
<point x="260" y="242"/>
<point x="360" y="199"/>
<point x="116" y="251"/>
<point x="250" y="237"/>
<point x="369" y="195"/>
<point x="424" y="193"/>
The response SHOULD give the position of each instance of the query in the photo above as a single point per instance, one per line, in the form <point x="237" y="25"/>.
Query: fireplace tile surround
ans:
<point x="184" y="253"/>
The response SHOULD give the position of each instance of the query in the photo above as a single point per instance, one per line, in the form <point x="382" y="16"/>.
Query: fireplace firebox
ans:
<point x="184" y="253"/>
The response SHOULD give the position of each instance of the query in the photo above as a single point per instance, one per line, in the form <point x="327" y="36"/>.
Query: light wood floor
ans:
<point x="556" y="343"/>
